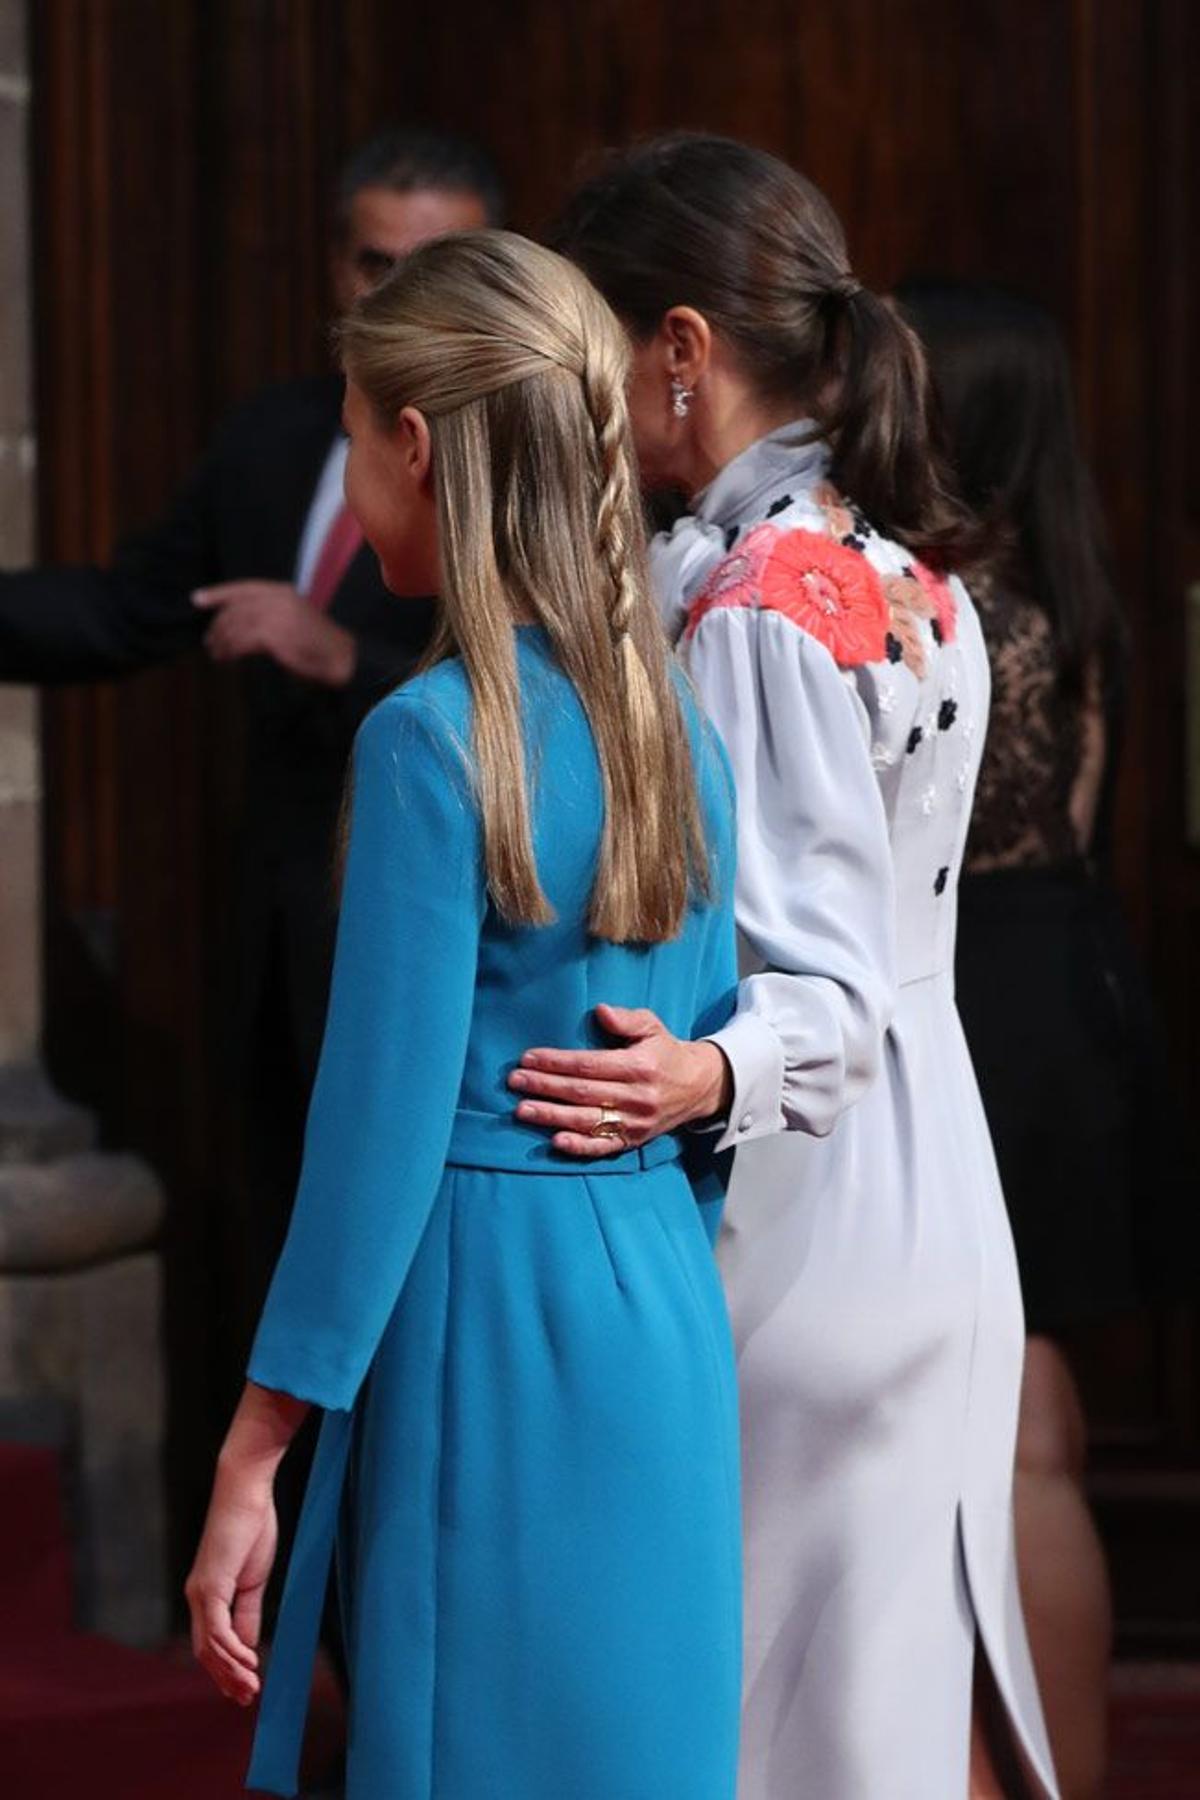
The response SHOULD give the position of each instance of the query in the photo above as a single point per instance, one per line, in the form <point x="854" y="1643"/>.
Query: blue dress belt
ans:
<point x="478" y="1140"/>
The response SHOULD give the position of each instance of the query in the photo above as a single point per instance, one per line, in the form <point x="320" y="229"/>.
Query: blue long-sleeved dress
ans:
<point x="529" y="1454"/>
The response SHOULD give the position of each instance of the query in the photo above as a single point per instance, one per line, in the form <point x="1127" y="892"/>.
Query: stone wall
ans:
<point x="80" y="1283"/>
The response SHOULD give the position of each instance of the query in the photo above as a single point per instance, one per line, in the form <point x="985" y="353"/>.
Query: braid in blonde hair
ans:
<point x="627" y="858"/>
<point x="519" y="368"/>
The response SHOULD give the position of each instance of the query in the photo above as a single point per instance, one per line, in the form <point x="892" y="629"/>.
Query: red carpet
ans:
<point x="79" y="1714"/>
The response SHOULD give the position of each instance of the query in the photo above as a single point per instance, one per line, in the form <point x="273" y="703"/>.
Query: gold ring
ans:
<point x="610" y="1124"/>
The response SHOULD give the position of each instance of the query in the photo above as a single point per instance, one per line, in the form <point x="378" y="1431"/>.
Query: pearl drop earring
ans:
<point x="681" y="398"/>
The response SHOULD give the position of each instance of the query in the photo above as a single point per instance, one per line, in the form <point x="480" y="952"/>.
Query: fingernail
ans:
<point x="530" y="1059"/>
<point x="526" y="1111"/>
<point x="519" y="1080"/>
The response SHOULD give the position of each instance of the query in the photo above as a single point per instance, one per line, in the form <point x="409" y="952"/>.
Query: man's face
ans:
<point x="385" y="226"/>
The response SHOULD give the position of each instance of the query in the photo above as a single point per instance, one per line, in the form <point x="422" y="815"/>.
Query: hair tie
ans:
<point x="838" y="292"/>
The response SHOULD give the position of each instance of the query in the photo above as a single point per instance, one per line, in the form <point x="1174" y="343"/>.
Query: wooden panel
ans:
<point x="117" y="382"/>
<point x="186" y="154"/>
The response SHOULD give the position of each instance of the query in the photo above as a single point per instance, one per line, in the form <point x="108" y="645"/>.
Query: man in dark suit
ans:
<point x="259" y="563"/>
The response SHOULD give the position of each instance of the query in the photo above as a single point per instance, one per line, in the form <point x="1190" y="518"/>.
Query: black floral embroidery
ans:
<point x="938" y="635"/>
<point x="780" y="505"/>
<point x="914" y="738"/>
<point x="939" y="886"/>
<point x="862" y="524"/>
<point x="854" y="541"/>
<point x="895" y="650"/>
<point x="731" y="537"/>
<point x="947" y="713"/>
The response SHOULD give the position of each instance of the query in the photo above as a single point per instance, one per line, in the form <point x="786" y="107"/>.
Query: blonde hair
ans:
<point x="520" y="369"/>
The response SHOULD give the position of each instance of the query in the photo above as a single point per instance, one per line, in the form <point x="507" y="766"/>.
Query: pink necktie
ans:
<point x="337" y="553"/>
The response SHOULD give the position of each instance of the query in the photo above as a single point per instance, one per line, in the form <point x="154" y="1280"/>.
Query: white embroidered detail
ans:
<point x="928" y="800"/>
<point x="881" y="756"/>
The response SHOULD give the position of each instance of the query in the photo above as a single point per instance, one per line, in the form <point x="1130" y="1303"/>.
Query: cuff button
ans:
<point x="745" y="1122"/>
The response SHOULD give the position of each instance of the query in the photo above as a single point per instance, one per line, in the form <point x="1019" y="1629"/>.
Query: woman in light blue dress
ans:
<point x="528" y="1459"/>
<point x="866" y="1252"/>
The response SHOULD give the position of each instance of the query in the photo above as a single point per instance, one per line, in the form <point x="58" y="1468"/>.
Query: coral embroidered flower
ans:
<point x="734" y="581"/>
<point x="832" y="593"/>
<point x="940" y="600"/>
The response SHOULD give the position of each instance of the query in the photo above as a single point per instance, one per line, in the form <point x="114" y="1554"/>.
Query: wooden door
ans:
<point x="184" y="151"/>
<point x="1142" y="1377"/>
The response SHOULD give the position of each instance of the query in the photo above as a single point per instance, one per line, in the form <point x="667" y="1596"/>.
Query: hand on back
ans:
<point x="657" y="1083"/>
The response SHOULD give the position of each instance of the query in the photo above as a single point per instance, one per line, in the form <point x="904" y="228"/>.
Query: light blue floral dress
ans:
<point x="866" y="1251"/>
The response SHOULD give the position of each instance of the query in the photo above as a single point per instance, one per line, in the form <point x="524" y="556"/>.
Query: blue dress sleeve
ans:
<point x="392" y="1060"/>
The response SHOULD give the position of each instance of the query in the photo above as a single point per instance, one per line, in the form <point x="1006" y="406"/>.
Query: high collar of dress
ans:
<point x="776" y="467"/>
<point x="793" y="456"/>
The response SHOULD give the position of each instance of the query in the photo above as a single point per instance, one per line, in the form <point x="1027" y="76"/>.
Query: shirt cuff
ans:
<point x="755" y="1056"/>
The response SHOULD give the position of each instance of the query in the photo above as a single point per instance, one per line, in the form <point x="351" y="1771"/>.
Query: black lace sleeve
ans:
<point x="1034" y="752"/>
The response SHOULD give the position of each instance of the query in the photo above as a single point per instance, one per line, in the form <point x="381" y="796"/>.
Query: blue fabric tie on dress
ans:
<point x="279" y="1738"/>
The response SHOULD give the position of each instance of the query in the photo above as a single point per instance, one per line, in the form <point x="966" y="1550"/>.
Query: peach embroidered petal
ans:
<point x="837" y="513"/>
<point x="906" y="593"/>
<point x="909" y="602"/>
<point x="907" y="632"/>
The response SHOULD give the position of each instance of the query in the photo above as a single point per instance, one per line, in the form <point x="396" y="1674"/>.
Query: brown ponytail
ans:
<point x="886" y="453"/>
<point x="708" y="222"/>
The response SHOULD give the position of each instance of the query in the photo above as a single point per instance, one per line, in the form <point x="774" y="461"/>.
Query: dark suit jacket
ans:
<point x="240" y="517"/>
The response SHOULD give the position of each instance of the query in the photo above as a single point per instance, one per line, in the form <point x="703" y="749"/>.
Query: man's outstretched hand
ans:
<point x="269" y="618"/>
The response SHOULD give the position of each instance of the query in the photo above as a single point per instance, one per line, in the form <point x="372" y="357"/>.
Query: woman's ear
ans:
<point x="414" y="444"/>
<point x="688" y="340"/>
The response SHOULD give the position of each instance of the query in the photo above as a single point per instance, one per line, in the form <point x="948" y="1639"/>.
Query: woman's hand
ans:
<point x="233" y="1564"/>
<point x="656" y="1084"/>
<point x="229" y="1576"/>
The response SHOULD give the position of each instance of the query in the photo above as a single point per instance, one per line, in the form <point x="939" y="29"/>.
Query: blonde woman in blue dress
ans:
<point x="866" y="1255"/>
<point x="529" y="1449"/>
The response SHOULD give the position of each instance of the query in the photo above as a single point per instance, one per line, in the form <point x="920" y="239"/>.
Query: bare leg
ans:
<point x="984" y="1781"/>
<point x="997" y="1763"/>
<point x="1060" y="1565"/>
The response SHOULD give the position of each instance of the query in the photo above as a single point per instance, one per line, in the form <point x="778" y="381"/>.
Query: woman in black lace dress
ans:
<point x="1055" y="1010"/>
